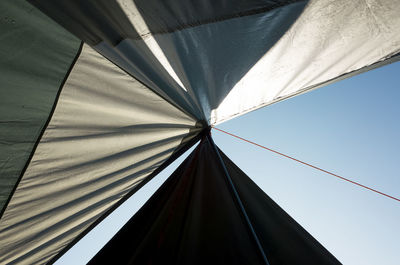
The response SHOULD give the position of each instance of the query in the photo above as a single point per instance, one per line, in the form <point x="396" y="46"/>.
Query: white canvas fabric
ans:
<point x="107" y="134"/>
<point x="331" y="38"/>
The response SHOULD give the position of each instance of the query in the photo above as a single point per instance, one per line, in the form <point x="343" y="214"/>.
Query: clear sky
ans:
<point x="351" y="128"/>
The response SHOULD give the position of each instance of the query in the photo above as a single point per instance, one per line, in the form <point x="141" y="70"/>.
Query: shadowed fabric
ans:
<point x="194" y="218"/>
<point x="35" y="55"/>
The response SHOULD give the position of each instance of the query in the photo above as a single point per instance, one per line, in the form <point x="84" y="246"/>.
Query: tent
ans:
<point x="98" y="96"/>
<point x="209" y="211"/>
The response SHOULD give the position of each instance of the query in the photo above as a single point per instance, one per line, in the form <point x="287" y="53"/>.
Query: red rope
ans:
<point x="315" y="167"/>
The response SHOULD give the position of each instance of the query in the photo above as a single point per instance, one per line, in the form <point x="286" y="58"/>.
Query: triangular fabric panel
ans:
<point x="329" y="41"/>
<point x="107" y="134"/>
<point x="195" y="218"/>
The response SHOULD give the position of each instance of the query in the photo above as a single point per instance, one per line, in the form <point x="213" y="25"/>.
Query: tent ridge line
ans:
<point x="239" y="201"/>
<point x="44" y="128"/>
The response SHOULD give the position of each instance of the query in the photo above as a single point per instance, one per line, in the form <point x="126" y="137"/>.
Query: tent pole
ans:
<point x="239" y="201"/>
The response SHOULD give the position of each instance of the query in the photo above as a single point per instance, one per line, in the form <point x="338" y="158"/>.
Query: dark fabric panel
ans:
<point x="172" y="15"/>
<point x="103" y="20"/>
<point x="191" y="219"/>
<point x="91" y="20"/>
<point x="283" y="239"/>
<point x="194" y="218"/>
<point x="35" y="55"/>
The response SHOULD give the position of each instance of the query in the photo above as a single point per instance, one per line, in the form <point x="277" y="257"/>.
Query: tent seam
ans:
<point x="239" y="202"/>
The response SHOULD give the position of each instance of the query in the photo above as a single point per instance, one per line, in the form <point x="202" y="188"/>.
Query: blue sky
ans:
<point x="351" y="128"/>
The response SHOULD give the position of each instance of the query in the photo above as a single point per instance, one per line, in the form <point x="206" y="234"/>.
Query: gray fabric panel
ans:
<point x="103" y="20"/>
<point x="35" y="55"/>
<point x="107" y="134"/>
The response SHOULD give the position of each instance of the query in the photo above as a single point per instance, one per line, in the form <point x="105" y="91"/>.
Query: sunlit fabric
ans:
<point x="98" y="96"/>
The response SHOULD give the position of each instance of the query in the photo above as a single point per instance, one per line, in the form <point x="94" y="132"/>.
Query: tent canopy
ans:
<point x="97" y="97"/>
